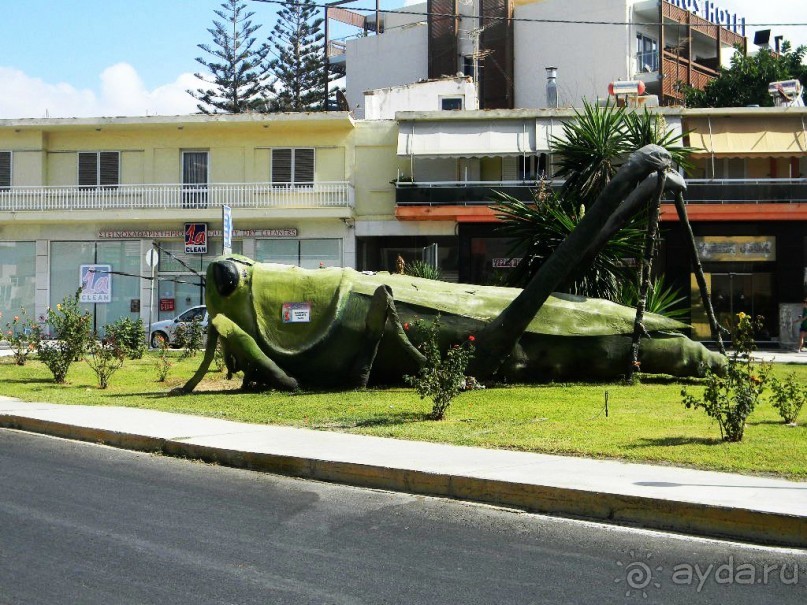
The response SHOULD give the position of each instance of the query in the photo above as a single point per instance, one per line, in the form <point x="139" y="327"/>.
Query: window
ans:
<point x="450" y="103"/>
<point x="646" y="54"/>
<point x="194" y="179"/>
<point x="98" y="169"/>
<point x="532" y="167"/>
<point x="306" y="253"/>
<point x="5" y="170"/>
<point x="293" y="166"/>
<point x="468" y="65"/>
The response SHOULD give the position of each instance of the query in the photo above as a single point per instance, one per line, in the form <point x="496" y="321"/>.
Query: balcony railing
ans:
<point x="747" y="191"/>
<point x="334" y="194"/>
<point x="463" y="192"/>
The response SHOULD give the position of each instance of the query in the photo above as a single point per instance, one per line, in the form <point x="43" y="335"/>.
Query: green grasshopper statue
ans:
<point x="285" y="327"/>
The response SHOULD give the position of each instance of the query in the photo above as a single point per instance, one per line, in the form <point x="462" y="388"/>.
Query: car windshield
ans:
<point x="192" y="314"/>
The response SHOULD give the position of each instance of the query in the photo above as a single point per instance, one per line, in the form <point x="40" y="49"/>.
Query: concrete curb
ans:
<point x="652" y="513"/>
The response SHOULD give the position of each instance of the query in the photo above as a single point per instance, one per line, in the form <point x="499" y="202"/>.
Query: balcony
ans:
<point x="462" y="193"/>
<point x="747" y="191"/>
<point x="335" y="194"/>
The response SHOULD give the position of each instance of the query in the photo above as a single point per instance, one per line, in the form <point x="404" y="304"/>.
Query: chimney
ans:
<point x="552" y="87"/>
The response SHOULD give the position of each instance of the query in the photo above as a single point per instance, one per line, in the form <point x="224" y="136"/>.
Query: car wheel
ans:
<point x="158" y="338"/>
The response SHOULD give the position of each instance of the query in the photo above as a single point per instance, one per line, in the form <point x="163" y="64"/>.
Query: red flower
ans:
<point x="471" y="338"/>
<point x="406" y="326"/>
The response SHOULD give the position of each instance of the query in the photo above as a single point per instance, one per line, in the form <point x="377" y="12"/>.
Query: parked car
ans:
<point x="166" y="329"/>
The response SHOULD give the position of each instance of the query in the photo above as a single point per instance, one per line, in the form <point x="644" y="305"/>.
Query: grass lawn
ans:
<point x="646" y="423"/>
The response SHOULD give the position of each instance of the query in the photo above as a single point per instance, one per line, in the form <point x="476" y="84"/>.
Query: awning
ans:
<point x="478" y="138"/>
<point x="748" y="137"/>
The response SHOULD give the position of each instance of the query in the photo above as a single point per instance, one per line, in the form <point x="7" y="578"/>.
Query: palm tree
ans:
<point x="588" y="154"/>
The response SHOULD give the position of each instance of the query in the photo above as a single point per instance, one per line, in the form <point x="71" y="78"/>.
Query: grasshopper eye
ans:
<point x="225" y="277"/>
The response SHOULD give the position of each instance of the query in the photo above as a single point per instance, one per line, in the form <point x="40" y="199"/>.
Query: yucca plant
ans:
<point x="419" y="268"/>
<point x="662" y="299"/>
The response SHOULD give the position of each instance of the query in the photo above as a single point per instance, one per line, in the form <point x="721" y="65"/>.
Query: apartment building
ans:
<point x="506" y="45"/>
<point x="78" y="193"/>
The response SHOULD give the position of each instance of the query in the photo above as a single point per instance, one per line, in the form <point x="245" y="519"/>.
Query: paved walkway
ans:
<point x="749" y="508"/>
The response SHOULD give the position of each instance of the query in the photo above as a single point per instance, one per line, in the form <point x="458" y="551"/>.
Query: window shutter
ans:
<point x="281" y="165"/>
<point x="303" y="166"/>
<point x="510" y="168"/>
<point x="109" y="163"/>
<point x="5" y="169"/>
<point x="88" y="170"/>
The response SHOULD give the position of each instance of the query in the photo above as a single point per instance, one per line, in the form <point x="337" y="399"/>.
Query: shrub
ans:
<point x="189" y="336"/>
<point x="21" y="337"/>
<point x="730" y="399"/>
<point x="442" y="377"/>
<point x="788" y="397"/>
<point x="423" y="269"/>
<point x="105" y="358"/>
<point x="163" y="362"/>
<point x="70" y="334"/>
<point x="129" y="336"/>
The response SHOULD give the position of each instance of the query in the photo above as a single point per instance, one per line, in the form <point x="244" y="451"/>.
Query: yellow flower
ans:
<point x="59" y="307"/>
<point x="741" y="316"/>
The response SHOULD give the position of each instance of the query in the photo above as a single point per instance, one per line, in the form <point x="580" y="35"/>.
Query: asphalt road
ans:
<point x="87" y="524"/>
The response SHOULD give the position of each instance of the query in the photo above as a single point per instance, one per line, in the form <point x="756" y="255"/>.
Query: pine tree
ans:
<point x="299" y="64"/>
<point x="238" y="68"/>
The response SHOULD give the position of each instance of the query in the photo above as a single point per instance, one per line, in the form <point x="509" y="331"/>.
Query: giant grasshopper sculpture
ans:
<point x="353" y="332"/>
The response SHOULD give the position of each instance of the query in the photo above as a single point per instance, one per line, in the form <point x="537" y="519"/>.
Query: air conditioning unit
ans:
<point x="786" y="93"/>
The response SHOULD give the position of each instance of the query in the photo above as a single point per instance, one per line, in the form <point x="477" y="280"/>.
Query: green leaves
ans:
<point x="746" y="81"/>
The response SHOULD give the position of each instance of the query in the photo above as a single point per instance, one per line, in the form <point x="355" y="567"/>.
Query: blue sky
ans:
<point x="115" y="57"/>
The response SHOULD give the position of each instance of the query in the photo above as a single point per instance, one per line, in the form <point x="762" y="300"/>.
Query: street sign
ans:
<point x="152" y="258"/>
<point x="227" y="230"/>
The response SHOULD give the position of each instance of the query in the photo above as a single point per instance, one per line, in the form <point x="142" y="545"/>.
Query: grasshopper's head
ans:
<point x="229" y="286"/>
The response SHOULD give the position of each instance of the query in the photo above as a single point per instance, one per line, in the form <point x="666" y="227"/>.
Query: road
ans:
<point x="81" y="523"/>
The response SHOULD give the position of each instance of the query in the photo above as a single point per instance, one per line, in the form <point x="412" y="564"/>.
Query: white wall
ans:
<point x="588" y="57"/>
<point x="395" y="57"/>
<point x="382" y="104"/>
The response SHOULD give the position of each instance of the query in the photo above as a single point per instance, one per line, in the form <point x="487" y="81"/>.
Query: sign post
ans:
<point x="152" y="260"/>
<point x="227" y="230"/>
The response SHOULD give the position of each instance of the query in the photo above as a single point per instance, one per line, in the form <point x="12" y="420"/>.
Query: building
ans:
<point x="747" y="201"/>
<point x="506" y="45"/>
<point x="101" y="191"/>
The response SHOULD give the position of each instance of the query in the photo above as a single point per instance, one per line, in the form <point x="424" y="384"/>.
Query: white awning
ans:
<point x="478" y="138"/>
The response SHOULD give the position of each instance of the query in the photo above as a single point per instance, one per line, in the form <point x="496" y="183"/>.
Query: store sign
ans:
<point x="294" y="313"/>
<point x="195" y="238"/>
<point x="714" y="13"/>
<point x="227" y="224"/>
<point x="167" y="304"/>
<point x="505" y="263"/>
<point x="736" y="249"/>
<point x="96" y="283"/>
<point x="176" y="234"/>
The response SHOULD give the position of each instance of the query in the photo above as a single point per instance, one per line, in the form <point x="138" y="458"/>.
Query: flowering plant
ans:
<point x="21" y="337"/>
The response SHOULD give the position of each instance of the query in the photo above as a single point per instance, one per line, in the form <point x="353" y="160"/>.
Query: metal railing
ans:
<point x="178" y="196"/>
<point x="747" y="191"/>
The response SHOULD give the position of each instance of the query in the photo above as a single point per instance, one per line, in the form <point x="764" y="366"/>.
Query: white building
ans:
<point x="507" y="44"/>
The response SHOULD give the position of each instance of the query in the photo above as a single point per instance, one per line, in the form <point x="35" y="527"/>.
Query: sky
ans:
<point x="85" y="58"/>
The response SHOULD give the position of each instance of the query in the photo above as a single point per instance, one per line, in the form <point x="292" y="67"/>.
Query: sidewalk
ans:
<point x="747" y="508"/>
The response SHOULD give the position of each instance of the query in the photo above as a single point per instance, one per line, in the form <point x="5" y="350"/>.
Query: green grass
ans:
<point x="646" y="423"/>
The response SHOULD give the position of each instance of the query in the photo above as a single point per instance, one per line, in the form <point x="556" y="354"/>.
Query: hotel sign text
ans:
<point x="713" y="13"/>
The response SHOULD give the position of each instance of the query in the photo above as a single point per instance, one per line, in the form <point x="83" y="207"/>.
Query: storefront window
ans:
<point x="17" y="279"/>
<point x="306" y="253"/>
<point x="66" y="259"/>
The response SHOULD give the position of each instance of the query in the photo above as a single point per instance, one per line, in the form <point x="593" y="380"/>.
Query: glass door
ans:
<point x="749" y="293"/>
<point x="194" y="179"/>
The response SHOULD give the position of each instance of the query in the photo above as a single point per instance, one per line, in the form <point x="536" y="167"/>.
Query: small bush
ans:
<point x="189" y="337"/>
<point x="730" y="399"/>
<point x="105" y="358"/>
<point x="69" y="336"/>
<point x="21" y="337"/>
<point x="442" y="377"/>
<point x="129" y="336"/>
<point x="423" y="269"/>
<point x="788" y="397"/>
<point x="163" y="362"/>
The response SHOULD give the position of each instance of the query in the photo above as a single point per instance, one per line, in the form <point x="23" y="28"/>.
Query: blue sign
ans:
<point x="227" y="230"/>
<point x="713" y="13"/>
